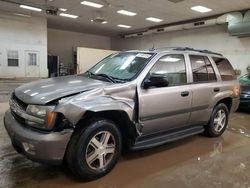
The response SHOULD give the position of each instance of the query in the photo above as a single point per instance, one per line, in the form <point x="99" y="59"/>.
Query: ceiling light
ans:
<point x="91" y="4"/>
<point x="104" y="22"/>
<point x="152" y="19"/>
<point x="63" y="9"/>
<point x="68" y="15"/>
<point x="127" y="13"/>
<point x="201" y="9"/>
<point x="30" y="8"/>
<point x="124" y="26"/>
<point x="22" y="15"/>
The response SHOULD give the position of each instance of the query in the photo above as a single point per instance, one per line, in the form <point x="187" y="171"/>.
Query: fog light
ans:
<point x="29" y="148"/>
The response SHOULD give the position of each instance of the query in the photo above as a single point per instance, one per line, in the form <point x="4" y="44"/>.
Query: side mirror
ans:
<point x="155" y="80"/>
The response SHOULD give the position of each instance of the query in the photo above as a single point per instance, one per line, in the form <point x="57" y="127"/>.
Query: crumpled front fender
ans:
<point x="74" y="108"/>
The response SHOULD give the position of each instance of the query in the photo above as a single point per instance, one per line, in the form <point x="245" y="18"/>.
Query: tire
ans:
<point x="217" y="124"/>
<point x="94" y="150"/>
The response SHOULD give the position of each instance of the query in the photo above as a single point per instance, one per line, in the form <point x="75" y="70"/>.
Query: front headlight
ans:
<point x="44" y="113"/>
<point x="38" y="111"/>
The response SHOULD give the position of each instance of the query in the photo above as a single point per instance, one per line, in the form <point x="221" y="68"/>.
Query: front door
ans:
<point x="32" y="64"/>
<point x="165" y="108"/>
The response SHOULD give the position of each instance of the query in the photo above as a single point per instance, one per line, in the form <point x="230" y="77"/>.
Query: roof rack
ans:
<point x="196" y="50"/>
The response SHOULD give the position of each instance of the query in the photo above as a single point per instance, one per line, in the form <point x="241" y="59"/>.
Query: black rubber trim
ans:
<point x="146" y="142"/>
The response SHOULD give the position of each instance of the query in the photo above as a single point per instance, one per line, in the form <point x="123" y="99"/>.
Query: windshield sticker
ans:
<point x="146" y="56"/>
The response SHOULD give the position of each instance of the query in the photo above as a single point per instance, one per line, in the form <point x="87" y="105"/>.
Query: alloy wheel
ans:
<point x="100" y="150"/>
<point x="219" y="120"/>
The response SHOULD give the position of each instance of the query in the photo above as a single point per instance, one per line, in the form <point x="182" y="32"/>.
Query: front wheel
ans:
<point x="93" y="151"/>
<point x="218" y="121"/>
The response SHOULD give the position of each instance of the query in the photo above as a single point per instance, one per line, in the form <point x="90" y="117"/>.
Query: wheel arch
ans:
<point x="227" y="101"/>
<point x="119" y="117"/>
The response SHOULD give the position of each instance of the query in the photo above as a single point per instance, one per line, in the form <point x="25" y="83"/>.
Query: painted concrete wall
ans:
<point x="88" y="57"/>
<point x="215" y="38"/>
<point x="22" y="34"/>
<point x="60" y="43"/>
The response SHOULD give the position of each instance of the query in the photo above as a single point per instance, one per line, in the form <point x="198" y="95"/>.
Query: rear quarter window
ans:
<point x="225" y="68"/>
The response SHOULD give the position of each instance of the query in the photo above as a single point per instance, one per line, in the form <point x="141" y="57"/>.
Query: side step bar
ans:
<point x="147" y="142"/>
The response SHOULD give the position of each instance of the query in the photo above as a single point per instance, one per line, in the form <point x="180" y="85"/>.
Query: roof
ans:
<point x="184" y="49"/>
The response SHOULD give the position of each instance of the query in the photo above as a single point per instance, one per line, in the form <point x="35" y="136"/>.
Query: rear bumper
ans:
<point x="37" y="146"/>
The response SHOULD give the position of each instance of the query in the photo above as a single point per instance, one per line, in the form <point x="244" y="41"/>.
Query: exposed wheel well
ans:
<point x="227" y="102"/>
<point x="120" y="118"/>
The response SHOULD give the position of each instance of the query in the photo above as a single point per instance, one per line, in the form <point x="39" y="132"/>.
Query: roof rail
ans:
<point x="196" y="50"/>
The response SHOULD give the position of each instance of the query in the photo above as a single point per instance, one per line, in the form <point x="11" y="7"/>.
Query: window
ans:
<point x="202" y="69"/>
<point x="199" y="68"/>
<point x="173" y="67"/>
<point x="12" y="56"/>
<point x="32" y="59"/>
<point x="122" y="66"/>
<point x="225" y="68"/>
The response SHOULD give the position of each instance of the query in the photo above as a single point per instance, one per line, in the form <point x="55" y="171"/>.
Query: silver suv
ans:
<point x="130" y="100"/>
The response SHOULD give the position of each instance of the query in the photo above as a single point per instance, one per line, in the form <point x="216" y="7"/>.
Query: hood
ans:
<point x="44" y="91"/>
<point x="245" y="89"/>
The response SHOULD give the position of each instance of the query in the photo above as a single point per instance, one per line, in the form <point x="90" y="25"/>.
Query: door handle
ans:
<point x="184" y="93"/>
<point x="217" y="89"/>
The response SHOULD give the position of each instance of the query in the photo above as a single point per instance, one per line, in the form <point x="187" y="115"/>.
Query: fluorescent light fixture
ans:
<point x="68" y="15"/>
<point x="201" y="9"/>
<point x="125" y="12"/>
<point x="124" y="26"/>
<point x="30" y="8"/>
<point x="91" y="4"/>
<point x="63" y="9"/>
<point x="152" y="19"/>
<point x="22" y="15"/>
<point x="104" y="22"/>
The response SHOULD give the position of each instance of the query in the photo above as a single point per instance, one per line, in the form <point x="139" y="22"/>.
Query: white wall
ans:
<point x="60" y="43"/>
<point x="215" y="38"/>
<point x="88" y="57"/>
<point x="22" y="34"/>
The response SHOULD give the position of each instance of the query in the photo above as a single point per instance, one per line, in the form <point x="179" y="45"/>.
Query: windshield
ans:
<point x="123" y="66"/>
<point x="245" y="80"/>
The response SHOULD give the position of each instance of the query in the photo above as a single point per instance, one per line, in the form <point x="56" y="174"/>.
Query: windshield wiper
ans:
<point x="89" y="73"/>
<point x="110" y="78"/>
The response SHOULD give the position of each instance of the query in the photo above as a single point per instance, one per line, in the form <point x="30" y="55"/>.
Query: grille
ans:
<point x="18" y="118"/>
<point x="16" y="105"/>
<point x="20" y="103"/>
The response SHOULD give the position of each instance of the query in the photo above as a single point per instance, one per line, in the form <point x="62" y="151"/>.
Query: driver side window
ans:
<point x="173" y="68"/>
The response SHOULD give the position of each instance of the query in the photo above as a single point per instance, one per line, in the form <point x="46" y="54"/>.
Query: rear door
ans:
<point x="204" y="88"/>
<point x="165" y="108"/>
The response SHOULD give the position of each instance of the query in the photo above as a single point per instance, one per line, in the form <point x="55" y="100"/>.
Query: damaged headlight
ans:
<point x="44" y="116"/>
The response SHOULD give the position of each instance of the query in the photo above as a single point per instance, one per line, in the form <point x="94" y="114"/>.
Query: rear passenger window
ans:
<point x="173" y="67"/>
<point x="225" y="68"/>
<point x="202" y="69"/>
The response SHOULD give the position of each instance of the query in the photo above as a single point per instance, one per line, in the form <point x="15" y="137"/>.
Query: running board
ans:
<point x="147" y="142"/>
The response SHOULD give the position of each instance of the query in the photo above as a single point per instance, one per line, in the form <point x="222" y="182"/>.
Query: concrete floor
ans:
<point x="193" y="162"/>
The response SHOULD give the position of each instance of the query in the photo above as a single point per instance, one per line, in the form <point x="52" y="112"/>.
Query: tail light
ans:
<point x="236" y="91"/>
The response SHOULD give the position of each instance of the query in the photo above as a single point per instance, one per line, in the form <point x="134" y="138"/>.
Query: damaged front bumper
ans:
<point x="38" y="146"/>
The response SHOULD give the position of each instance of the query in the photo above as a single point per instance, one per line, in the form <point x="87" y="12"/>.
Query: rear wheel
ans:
<point x="218" y="121"/>
<point x="94" y="150"/>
